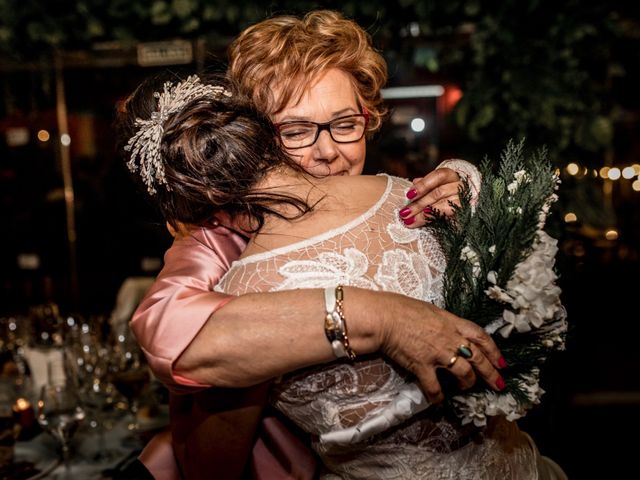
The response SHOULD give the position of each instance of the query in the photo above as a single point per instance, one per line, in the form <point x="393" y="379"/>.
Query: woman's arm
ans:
<point x="181" y="299"/>
<point x="256" y="337"/>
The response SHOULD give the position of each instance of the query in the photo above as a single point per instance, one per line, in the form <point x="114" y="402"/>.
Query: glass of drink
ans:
<point x="60" y="414"/>
<point x="131" y="383"/>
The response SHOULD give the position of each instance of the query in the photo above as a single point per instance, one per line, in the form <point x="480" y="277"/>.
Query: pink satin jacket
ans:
<point x="182" y="299"/>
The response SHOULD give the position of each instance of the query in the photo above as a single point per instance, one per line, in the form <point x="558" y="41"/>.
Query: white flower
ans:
<point x="471" y="256"/>
<point x="542" y="216"/>
<point x="503" y="404"/>
<point x="498" y="294"/>
<point x="531" y="291"/>
<point x="531" y="387"/>
<point x="471" y="409"/>
<point x="512" y="320"/>
<point x="516" y="210"/>
<point x="492" y="249"/>
<point x="520" y="177"/>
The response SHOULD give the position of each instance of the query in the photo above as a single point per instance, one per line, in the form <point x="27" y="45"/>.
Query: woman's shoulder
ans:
<point x="345" y="203"/>
<point x="368" y="188"/>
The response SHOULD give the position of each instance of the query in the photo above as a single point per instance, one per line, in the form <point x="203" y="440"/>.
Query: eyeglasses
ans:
<point x="345" y="129"/>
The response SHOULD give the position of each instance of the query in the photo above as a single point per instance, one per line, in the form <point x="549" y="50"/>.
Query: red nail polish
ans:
<point x="502" y="363"/>
<point x="412" y="193"/>
<point x="405" y="211"/>
<point x="500" y="383"/>
<point x="409" y="221"/>
<point x="428" y="210"/>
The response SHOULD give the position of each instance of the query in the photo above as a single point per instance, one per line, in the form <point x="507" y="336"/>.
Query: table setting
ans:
<point x="77" y="399"/>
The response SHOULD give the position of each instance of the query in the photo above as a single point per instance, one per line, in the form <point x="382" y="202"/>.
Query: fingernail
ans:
<point x="409" y="221"/>
<point x="500" y="383"/>
<point x="412" y="193"/>
<point x="502" y="363"/>
<point x="428" y="210"/>
<point x="405" y="211"/>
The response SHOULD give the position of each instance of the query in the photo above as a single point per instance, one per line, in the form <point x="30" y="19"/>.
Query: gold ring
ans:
<point x="452" y="362"/>
<point x="465" y="351"/>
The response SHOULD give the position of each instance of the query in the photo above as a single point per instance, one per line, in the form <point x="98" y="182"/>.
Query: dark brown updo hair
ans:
<point x="214" y="150"/>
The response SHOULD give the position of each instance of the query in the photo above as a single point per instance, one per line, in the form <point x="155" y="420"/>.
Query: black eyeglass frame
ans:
<point x="324" y="126"/>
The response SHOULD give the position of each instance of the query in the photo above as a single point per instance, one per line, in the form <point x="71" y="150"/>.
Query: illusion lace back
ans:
<point x="370" y="419"/>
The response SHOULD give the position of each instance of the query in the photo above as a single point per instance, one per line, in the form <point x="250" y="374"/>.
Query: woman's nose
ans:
<point x="325" y="149"/>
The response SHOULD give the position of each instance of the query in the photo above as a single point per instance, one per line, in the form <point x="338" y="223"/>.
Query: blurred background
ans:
<point x="465" y="76"/>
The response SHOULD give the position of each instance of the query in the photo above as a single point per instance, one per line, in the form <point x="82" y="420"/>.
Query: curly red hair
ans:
<point x="290" y="53"/>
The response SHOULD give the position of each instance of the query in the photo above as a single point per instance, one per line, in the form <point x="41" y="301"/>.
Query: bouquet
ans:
<point x="500" y="275"/>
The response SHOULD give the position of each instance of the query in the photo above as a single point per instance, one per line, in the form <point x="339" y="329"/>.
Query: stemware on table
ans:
<point x="59" y="412"/>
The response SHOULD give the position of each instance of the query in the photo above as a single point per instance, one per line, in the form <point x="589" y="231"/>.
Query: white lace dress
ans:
<point x="368" y="418"/>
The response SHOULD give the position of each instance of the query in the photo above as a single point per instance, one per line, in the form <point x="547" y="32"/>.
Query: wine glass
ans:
<point x="60" y="414"/>
<point x="104" y="406"/>
<point x="131" y="383"/>
<point x="130" y="373"/>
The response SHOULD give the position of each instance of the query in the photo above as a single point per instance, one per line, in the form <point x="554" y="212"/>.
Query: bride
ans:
<point x="367" y="415"/>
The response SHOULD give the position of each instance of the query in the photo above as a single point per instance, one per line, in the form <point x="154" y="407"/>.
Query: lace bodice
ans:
<point x="369" y="417"/>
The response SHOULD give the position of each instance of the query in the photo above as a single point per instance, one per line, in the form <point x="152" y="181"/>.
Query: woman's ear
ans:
<point x="180" y="231"/>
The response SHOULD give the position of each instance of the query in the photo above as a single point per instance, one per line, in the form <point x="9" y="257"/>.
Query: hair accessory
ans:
<point x="335" y="325"/>
<point x="145" y="144"/>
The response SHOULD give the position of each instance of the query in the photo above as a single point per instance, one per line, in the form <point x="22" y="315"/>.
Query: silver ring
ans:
<point x="452" y="361"/>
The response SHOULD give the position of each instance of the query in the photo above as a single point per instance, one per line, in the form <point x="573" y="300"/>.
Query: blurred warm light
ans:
<point x="570" y="217"/>
<point x="22" y="404"/>
<point x="628" y="172"/>
<point x="636" y="185"/>
<point x="65" y="139"/>
<point x="452" y="95"/>
<point x="604" y="172"/>
<point x="636" y="168"/>
<point x="573" y="168"/>
<point x="417" y="125"/>
<point x="595" y="173"/>
<point x="614" y="173"/>
<point x="611" y="234"/>
<point x="43" y="136"/>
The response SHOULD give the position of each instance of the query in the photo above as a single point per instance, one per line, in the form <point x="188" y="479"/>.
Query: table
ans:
<point x="89" y="460"/>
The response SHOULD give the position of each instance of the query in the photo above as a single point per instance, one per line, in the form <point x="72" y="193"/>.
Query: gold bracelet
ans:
<point x="335" y="325"/>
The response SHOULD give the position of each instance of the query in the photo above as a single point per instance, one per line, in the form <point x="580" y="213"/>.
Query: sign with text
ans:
<point x="174" y="52"/>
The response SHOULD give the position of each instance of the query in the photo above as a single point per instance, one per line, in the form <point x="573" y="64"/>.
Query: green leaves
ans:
<point x="499" y="230"/>
<point x="538" y="69"/>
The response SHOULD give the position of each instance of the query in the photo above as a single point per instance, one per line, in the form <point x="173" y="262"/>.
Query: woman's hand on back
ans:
<point x="433" y="191"/>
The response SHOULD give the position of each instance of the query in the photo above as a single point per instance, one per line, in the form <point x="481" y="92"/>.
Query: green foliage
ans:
<point x="539" y="69"/>
<point x="500" y="229"/>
